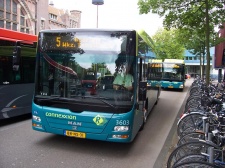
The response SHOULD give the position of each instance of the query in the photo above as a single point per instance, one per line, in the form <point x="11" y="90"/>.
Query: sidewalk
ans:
<point x="172" y="139"/>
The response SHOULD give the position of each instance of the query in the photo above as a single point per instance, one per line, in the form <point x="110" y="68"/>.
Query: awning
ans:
<point x="10" y="35"/>
<point x="8" y="39"/>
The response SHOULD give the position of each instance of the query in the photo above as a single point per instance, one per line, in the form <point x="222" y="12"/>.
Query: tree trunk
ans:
<point x="207" y="42"/>
<point x="201" y="66"/>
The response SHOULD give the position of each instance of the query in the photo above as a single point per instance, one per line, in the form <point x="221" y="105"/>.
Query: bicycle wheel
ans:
<point x="193" y="99"/>
<point x="195" y="164"/>
<point x="191" y="158"/>
<point x="197" y="98"/>
<point x="192" y="104"/>
<point x="194" y="90"/>
<point x="190" y="148"/>
<point x="190" y="137"/>
<point x="190" y="123"/>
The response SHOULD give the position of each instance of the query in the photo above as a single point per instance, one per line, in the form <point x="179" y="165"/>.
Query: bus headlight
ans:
<point x="37" y="125"/>
<point x="120" y="136"/>
<point x="121" y="128"/>
<point x="36" y="118"/>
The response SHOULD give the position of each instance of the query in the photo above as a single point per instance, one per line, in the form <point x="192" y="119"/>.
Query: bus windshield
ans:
<point x="154" y="71"/>
<point x="173" y="71"/>
<point x="80" y="67"/>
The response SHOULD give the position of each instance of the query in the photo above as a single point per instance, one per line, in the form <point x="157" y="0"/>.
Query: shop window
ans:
<point x="2" y="4"/>
<point x="8" y="16"/>
<point x="14" y="26"/>
<point x="14" y="7"/>
<point x="8" y="6"/>
<point x="2" y="23"/>
<point x="8" y="25"/>
<point x="2" y="14"/>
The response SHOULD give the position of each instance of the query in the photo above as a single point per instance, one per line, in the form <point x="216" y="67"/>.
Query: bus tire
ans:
<point x="144" y="120"/>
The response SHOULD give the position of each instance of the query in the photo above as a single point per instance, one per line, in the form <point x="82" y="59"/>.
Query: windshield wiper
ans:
<point x="109" y="104"/>
<point x="58" y="97"/>
<point x="102" y="99"/>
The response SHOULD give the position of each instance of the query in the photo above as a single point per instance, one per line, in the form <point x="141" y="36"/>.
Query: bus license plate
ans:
<point x="170" y="86"/>
<point x="75" y="134"/>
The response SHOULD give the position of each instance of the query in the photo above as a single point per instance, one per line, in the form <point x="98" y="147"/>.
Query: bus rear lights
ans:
<point x="37" y="125"/>
<point x="14" y="106"/>
<point x="121" y="128"/>
<point x="36" y="118"/>
<point x="120" y="136"/>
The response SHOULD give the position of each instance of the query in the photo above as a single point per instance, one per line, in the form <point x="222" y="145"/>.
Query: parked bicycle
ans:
<point x="201" y="129"/>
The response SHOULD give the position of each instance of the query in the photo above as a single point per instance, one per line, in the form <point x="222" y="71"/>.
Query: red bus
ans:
<point x="17" y="66"/>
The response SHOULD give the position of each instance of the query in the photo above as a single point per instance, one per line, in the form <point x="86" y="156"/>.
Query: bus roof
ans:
<point x="155" y="60"/>
<point x="10" y="35"/>
<point x="174" y="61"/>
<point x="148" y="40"/>
<point x="84" y="29"/>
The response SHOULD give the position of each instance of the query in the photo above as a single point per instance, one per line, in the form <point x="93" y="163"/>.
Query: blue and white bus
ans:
<point x="155" y="72"/>
<point x="173" y="76"/>
<point x="65" y="103"/>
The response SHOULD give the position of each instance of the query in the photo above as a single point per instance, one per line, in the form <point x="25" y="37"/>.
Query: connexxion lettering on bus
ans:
<point x="75" y="91"/>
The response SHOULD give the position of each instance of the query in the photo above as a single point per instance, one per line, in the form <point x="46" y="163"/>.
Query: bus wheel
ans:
<point x="144" y="119"/>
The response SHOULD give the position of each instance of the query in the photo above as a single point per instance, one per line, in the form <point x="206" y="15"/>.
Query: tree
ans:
<point x="195" y="43"/>
<point x="189" y="14"/>
<point x="167" y="44"/>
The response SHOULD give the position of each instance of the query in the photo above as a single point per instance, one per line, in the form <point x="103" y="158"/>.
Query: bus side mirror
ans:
<point x="16" y="58"/>
<point x="142" y="91"/>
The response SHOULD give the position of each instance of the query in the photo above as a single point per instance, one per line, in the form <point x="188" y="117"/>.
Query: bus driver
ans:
<point x="123" y="79"/>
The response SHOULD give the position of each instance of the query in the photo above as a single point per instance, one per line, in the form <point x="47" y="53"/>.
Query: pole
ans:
<point x="97" y="16"/>
<point x="35" y="24"/>
<point x="97" y="2"/>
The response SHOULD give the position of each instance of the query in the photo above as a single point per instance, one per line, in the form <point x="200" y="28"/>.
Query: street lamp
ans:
<point x="97" y="2"/>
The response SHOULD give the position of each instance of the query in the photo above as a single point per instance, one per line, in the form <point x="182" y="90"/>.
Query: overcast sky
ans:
<point x="113" y="14"/>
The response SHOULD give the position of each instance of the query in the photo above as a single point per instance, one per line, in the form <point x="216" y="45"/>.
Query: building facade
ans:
<point x="192" y="62"/>
<point x="31" y="16"/>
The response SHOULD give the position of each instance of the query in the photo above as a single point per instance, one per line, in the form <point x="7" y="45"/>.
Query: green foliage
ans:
<point x="168" y="45"/>
<point x="180" y="13"/>
<point x="197" y="18"/>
